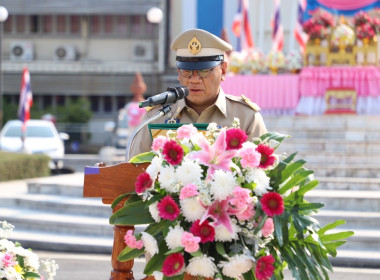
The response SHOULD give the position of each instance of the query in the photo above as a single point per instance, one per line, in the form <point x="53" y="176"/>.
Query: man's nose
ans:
<point x="195" y="75"/>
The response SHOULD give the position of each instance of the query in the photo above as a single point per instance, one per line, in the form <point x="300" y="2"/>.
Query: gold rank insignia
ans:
<point x="194" y="46"/>
<point x="251" y="104"/>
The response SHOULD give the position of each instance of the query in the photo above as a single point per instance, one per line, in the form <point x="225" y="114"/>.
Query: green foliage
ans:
<point x="76" y="111"/>
<point x="15" y="166"/>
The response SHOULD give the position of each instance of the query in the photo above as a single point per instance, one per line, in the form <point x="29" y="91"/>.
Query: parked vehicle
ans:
<point x="41" y="137"/>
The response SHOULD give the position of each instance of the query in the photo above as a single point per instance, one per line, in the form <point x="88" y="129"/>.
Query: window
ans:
<point x="121" y="25"/>
<point x="107" y="104"/>
<point x="94" y="100"/>
<point x="20" y="24"/>
<point x="47" y="24"/>
<point x="108" y="24"/>
<point x="61" y="24"/>
<point x="34" y="24"/>
<point x="74" y="24"/>
<point x="8" y="24"/>
<point x="95" y="24"/>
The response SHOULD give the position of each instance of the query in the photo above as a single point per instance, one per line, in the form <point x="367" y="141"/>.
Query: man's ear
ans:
<point x="224" y="70"/>
<point x="178" y="74"/>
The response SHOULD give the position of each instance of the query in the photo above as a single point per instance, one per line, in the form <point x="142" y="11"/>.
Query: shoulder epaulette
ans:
<point x="251" y="104"/>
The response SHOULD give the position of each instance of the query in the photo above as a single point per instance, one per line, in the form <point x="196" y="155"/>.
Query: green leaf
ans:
<point x="156" y="228"/>
<point x="175" y="250"/>
<point x="290" y="158"/>
<point x="220" y="249"/>
<point x="302" y="190"/>
<point x="331" y="226"/>
<point x="249" y="275"/>
<point x="197" y="253"/>
<point x="332" y="246"/>
<point x="142" y="158"/>
<point x="20" y="260"/>
<point x="175" y="277"/>
<point x="129" y="254"/>
<point x="295" y="180"/>
<point x="134" y="213"/>
<point x="120" y="198"/>
<point x="30" y="274"/>
<point x="336" y="236"/>
<point x="292" y="168"/>
<point x="279" y="137"/>
<point x="155" y="263"/>
<point x="278" y="230"/>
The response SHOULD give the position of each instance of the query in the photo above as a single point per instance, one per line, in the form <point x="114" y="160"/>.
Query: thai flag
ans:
<point x="278" y="32"/>
<point x="241" y="21"/>
<point x="26" y="98"/>
<point x="300" y="36"/>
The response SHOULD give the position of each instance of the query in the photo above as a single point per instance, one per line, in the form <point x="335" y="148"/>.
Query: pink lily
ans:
<point x="215" y="156"/>
<point x="218" y="212"/>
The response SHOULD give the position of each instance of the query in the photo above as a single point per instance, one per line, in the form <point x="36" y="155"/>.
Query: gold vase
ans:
<point x="365" y="42"/>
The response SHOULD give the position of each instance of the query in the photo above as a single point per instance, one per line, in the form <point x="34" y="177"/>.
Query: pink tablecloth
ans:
<point x="313" y="81"/>
<point x="268" y="91"/>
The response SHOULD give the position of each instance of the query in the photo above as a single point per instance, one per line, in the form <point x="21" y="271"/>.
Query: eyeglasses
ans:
<point x="204" y="73"/>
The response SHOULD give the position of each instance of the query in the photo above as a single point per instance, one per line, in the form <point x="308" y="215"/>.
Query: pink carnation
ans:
<point x="264" y="267"/>
<point x="235" y="137"/>
<point x="143" y="182"/>
<point x="173" y="264"/>
<point x="190" y="242"/>
<point x="7" y="260"/>
<point x="250" y="158"/>
<point x="168" y="209"/>
<point x="187" y="191"/>
<point x="159" y="142"/>
<point x="268" y="227"/>
<point x="272" y="204"/>
<point x="173" y="153"/>
<point x="186" y="131"/>
<point x="131" y="241"/>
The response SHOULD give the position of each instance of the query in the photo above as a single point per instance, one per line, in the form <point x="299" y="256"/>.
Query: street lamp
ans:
<point x="3" y="17"/>
<point x="154" y="16"/>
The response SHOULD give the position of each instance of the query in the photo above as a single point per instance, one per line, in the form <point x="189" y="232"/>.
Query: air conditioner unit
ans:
<point x="142" y="51"/>
<point x="65" y="52"/>
<point x="22" y="51"/>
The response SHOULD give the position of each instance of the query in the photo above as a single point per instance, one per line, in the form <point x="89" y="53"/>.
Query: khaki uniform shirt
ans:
<point x="222" y="112"/>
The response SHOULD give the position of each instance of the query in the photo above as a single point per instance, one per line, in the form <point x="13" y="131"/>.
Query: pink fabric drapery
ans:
<point x="346" y="4"/>
<point x="314" y="81"/>
<point x="268" y="91"/>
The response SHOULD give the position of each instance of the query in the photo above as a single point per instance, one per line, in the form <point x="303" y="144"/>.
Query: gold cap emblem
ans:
<point x="194" y="46"/>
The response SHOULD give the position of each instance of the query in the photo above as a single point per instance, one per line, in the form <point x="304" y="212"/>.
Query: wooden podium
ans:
<point x="108" y="182"/>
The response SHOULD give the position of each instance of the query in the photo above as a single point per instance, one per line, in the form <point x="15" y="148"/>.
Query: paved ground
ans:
<point x="98" y="267"/>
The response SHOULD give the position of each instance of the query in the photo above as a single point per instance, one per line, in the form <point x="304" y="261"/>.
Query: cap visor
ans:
<point x="197" y="65"/>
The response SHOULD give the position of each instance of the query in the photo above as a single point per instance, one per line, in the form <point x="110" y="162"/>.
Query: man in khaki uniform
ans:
<point x="201" y="68"/>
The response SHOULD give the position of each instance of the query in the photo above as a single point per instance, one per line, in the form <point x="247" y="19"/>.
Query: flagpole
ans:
<point x="293" y="24"/>
<point x="261" y="24"/>
<point x="3" y="17"/>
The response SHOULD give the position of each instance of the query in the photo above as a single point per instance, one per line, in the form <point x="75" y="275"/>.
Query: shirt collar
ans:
<point x="220" y="103"/>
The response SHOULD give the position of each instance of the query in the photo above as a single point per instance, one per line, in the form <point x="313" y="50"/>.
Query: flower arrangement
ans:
<point x="365" y="32"/>
<point x="17" y="263"/>
<point x="318" y="27"/>
<point x="236" y="62"/>
<point x="343" y="35"/>
<point x="256" y="61"/>
<point x="365" y="26"/>
<point x="220" y="206"/>
<point x="294" y="61"/>
<point x="275" y="60"/>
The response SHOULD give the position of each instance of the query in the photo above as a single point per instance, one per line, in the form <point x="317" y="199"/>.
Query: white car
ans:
<point x="41" y="137"/>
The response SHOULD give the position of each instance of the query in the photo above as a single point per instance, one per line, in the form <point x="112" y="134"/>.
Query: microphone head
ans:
<point x="182" y="92"/>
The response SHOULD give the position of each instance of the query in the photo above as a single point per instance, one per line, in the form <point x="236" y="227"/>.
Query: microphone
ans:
<point x="168" y="97"/>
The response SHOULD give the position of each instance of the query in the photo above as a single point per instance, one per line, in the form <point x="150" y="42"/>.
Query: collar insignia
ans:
<point x="194" y="46"/>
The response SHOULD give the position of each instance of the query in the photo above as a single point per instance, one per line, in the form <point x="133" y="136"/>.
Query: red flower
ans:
<point x="173" y="153"/>
<point x="205" y="231"/>
<point x="143" y="182"/>
<point x="168" y="209"/>
<point x="235" y="137"/>
<point x="264" y="268"/>
<point x="272" y="204"/>
<point x="173" y="264"/>
<point x="267" y="158"/>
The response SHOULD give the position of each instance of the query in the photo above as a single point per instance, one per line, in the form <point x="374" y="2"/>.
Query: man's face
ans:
<point x="203" y="91"/>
